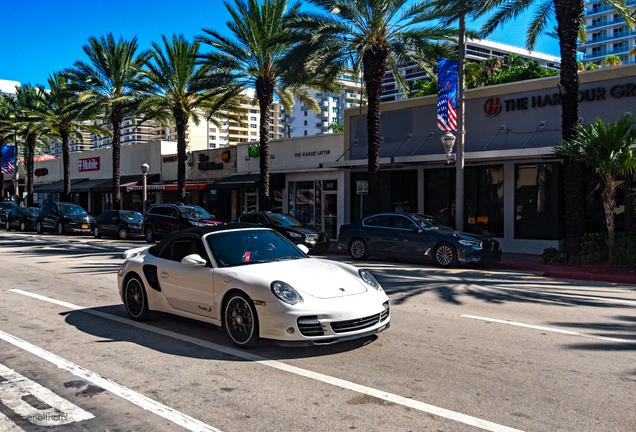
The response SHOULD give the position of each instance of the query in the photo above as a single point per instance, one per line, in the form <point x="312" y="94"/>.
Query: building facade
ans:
<point x="606" y="33"/>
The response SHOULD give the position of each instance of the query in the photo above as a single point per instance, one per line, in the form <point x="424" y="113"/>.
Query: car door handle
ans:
<point x="164" y="274"/>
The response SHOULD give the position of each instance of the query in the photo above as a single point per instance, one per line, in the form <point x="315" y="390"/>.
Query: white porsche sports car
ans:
<point x="256" y="284"/>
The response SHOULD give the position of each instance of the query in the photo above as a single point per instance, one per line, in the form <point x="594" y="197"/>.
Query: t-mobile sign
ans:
<point x="90" y="164"/>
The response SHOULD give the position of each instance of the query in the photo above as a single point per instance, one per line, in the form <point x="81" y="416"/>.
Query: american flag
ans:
<point x="8" y="160"/>
<point x="446" y="112"/>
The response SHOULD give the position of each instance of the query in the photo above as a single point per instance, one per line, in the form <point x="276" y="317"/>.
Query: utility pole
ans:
<point x="459" y="166"/>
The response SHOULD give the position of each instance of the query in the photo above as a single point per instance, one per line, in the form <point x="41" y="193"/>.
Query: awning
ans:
<point x="128" y="182"/>
<point x="56" y="187"/>
<point x="88" y="185"/>
<point x="236" y="182"/>
<point x="172" y="187"/>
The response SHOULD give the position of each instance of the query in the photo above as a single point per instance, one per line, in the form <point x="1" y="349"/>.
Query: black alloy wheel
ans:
<point x="445" y="255"/>
<point x="135" y="299"/>
<point x="123" y="233"/>
<point x="22" y="226"/>
<point x="149" y="234"/>
<point x="8" y="226"/>
<point x="61" y="229"/>
<point x="96" y="232"/>
<point x="241" y="322"/>
<point x="38" y="228"/>
<point x="358" y="249"/>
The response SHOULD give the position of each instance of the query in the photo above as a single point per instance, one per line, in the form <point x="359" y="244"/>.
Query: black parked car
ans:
<point x="163" y="219"/>
<point x="5" y="207"/>
<point x="118" y="223"/>
<point x="63" y="218"/>
<point x="291" y="228"/>
<point x="415" y="235"/>
<point x="21" y="218"/>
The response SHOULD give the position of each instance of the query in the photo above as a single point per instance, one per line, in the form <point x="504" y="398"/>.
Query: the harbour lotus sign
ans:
<point x="90" y="164"/>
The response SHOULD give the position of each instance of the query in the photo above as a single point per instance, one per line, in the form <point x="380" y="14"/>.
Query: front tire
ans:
<point x="23" y="226"/>
<point x="240" y="321"/>
<point x="96" y="232"/>
<point x="446" y="255"/>
<point x="38" y="228"/>
<point x="135" y="299"/>
<point x="122" y="234"/>
<point x="149" y="234"/>
<point x="61" y="229"/>
<point x="7" y="226"/>
<point x="358" y="249"/>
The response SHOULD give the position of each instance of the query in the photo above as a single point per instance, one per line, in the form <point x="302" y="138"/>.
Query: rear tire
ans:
<point x="240" y="321"/>
<point x="149" y="233"/>
<point x="22" y="226"/>
<point x="96" y="232"/>
<point x="135" y="299"/>
<point x="61" y="229"/>
<point x="38" y="228"/>
<point x="445" y="255"/>
<point x="7" y="226"/>
<point x="358" y="249"/>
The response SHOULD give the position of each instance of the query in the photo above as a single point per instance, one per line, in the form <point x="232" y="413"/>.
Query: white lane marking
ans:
<point x="421" y="406"/>
<point x="60" y="411"/>
<point x="551" y="329"/>
<point x="581" y="296"/>
<point x="116" y="389"/>
<point x="6" y="424"/>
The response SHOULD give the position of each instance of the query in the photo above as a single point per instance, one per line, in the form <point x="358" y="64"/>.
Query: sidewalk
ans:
<point x="534" y="263"/>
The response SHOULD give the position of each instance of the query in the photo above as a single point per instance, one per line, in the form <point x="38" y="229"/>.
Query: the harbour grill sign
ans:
<point x="90" y="164"/>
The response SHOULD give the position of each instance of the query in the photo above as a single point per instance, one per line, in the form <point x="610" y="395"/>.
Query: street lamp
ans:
<point x="144" y="170"/>
<point x="448" y="141"/>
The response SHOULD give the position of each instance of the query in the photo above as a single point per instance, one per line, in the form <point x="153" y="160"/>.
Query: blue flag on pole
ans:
<point x="8" y="160"/>
<point x="446" y="94"/>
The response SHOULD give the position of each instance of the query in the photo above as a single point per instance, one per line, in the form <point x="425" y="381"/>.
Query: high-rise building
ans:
<point x="606" y="33"/>
<point x="303" y="121"/>
<point x="8" y="86"/>
<point x="476" y="51"/>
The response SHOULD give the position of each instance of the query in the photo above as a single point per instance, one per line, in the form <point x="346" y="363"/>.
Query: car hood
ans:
<point x="300" y="230"/>
<point x="315" y="277"/>
<point x="77" y="218"/>
<point x="458" y="234"/>
<point x="205" y="220"/>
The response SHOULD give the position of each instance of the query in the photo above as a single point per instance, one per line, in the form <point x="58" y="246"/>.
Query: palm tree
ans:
<point x="112" y="82"/>
<point x="367" y="36"/>
<point x="337" y="127"/>
<point x="569" y="16"/>
<point x="4" y="139"/>
<point x="492" y="64"/>
<point x="475" y="75"/>
<point x="612" y="60"/>
<point x="67" y="116"/>
<point x="183" y="91"/>
<point x="607" y="149"/>
<point x="592" y="66"/>
<point x="260" y="41"/>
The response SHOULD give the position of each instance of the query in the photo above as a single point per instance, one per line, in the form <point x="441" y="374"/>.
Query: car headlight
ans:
<point x="369" y="279"/>
<point x="294" y="235"/>
<point x="285" y="292"/>
<point x="311" y="237"/>
<point x="474" y="243"/>
<point x="195" y="223"/>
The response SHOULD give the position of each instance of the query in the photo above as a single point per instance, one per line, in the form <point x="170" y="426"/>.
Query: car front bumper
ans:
<point x="479" y="256"/>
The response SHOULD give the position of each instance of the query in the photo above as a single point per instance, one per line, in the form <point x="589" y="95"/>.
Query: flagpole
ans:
<point x="459" y="167"/>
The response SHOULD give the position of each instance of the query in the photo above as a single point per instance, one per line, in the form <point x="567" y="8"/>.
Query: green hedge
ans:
<point x="594" y="249"/>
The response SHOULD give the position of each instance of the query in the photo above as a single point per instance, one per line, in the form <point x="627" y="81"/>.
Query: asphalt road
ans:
<point x="468" y="349"/>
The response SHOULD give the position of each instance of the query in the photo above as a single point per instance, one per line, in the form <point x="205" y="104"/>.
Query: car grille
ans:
<point x="310" y="326"/>
<point x="490" y="245"/>
<point x="387" y="310"/>
<point x="355" y="324"/>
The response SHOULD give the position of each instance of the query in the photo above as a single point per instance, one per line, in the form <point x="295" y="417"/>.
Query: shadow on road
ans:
<point x="622" y="327"/>
<point x="110" y="331"/>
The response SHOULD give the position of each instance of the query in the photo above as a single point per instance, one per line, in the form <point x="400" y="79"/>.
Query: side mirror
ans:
<point x="416" y="230"/>
<point x="194" y="260"/>
<point x="303" y="248"/>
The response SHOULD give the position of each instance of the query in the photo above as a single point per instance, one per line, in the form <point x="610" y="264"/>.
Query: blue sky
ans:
<point x="38" y="37"/>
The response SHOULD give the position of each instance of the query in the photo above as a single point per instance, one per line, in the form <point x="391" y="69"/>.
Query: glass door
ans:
<point x="250" y="202"/>
<point x="330" y="215"/>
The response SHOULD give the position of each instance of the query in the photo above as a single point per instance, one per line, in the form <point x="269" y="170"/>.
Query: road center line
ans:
<point x="108" y="385"/>
<point x="552" y="329"/>
<point x="421" y="406"/>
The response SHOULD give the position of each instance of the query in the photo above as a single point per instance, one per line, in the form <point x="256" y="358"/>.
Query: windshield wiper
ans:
<point x="247" y="262"/>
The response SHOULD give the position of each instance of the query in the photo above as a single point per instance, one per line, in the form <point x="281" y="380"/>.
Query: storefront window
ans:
<point x="537" y="203"/>
<point x="398" y="192"/>
<point x="484" y="200"/>
<point x="439" y="194"/>
<point x="305" y="200"/>
<point x="318" y="206"/>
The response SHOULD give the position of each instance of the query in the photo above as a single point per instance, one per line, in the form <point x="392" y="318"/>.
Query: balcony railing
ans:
<point x="611" y="36"/>
<point x="603" y="53"/>
<point x="595" y="10"/>
<point x="604" y="23"/>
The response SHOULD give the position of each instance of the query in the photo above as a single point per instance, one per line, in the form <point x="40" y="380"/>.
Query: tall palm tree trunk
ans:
<point x="31" y="141"/>
<point x="182" y="123"/>
<point x="3" y="142"/>
<point x="66" y="162"/>
<point x="609" y="203"/>
<point x="116" y="121"/>
<point x="265" y="94"/>
<point x="568" y="15"/>
<point x="374" y="64"/>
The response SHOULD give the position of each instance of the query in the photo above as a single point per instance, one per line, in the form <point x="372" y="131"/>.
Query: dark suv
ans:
<point x="63" y="218"/>
<point x="291" y="228"/>
<point x="164" y="219"/>
<point x="118" y="223"/>
<point x="5" y="208"/>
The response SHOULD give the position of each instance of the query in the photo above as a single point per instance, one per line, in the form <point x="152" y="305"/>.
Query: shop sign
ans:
<point x="225" y="155"/>
<point x="492" y="107"/>
<point x="167" y="159"/>
<point x="205" y="164"/>
<point x="362" y="187"/>
<point x="312" y="153"/>
<point x="41" y="172"/>
<point x="89" y="164"/>
<point x="330" y="185"/>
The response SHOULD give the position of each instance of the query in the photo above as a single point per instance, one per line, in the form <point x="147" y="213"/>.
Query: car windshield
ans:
<point x="428" y="221"/>
<point x="130" y="216"/>
<point x="282" y="220"/>
<point x="251" y="246"/>
<point x="70" y="209"/>
<point x="30" y="211"/>
<point x="193" y="212"/>
<point x="6" y="205"/>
